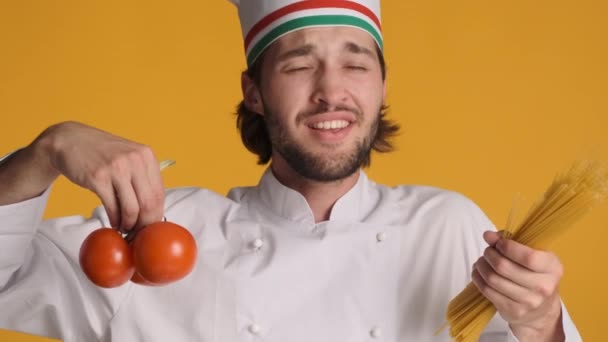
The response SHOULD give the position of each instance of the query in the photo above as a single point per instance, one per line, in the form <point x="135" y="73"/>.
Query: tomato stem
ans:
<point x="130" y="235"/>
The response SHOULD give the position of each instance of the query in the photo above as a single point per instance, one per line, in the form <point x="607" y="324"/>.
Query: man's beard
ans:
<point x="318" y="166"/>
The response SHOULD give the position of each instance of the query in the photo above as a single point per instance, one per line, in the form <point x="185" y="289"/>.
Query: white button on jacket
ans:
<point x="331" y="281"/>
<point x="376" y="332"/>
<point x="254" y="329"/>
<point x="258" y="243"/>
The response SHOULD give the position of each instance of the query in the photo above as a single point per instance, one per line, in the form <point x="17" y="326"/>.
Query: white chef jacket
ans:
<point x="382" y="268"/>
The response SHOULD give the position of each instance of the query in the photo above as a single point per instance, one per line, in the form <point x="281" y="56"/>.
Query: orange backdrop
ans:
<point x="494" y="98"/>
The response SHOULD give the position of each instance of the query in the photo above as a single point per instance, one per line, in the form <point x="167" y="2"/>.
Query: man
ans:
<point x="315" y="252"/>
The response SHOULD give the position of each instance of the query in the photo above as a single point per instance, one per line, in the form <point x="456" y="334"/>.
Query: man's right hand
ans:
<point x="125" y="175"/>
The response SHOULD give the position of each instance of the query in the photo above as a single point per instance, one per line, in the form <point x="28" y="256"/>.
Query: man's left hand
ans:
<point x="523" y="284"/>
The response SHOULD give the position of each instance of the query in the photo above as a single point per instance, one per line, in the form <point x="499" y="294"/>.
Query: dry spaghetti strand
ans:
<point x="571" y="195"/>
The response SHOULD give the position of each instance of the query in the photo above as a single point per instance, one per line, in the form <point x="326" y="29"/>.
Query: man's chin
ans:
<point x="323" y="164"/>
<point x="328" y="170"/>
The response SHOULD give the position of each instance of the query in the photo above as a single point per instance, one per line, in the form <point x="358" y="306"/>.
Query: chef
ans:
<point x="316" y="251"/>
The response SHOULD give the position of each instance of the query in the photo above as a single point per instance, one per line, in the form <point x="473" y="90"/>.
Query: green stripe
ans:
<point x="318" y="20"/>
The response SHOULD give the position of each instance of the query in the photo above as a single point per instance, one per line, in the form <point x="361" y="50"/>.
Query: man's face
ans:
<point x="321" y="94"/>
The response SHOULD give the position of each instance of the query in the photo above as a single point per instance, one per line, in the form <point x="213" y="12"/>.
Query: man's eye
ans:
<point x="356" y="67"/>
<point x="297" y="69"/>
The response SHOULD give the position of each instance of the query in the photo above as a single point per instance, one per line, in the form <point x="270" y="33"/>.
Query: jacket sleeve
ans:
<point x="42" y="288"/>
<point x="498" y="330"/>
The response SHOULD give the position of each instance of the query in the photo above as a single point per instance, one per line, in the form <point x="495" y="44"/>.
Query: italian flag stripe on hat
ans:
<point x="264" y="21"/>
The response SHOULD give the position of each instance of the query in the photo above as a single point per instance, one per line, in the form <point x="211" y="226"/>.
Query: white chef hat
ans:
<point x="264" y="21"/>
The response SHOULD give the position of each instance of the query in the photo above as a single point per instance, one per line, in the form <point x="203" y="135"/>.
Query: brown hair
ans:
<point x="255" y="135"/>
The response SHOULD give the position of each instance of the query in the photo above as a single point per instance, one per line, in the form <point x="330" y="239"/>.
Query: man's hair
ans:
<point x="255" y="136"/>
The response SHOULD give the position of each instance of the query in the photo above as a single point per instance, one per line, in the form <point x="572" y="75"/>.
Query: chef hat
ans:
<point x="264" y="21"/>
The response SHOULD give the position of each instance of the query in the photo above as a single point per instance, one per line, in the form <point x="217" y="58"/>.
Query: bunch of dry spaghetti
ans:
<point x="570" y="196"/>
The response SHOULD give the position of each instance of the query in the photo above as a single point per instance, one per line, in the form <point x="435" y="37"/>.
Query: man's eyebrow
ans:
<point x="303" y="50"/>
<point x="356" y="48"/>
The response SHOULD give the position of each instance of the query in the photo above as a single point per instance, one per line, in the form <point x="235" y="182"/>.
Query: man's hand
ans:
<point x="523" y="284"/>
<point x="122" y="173"/>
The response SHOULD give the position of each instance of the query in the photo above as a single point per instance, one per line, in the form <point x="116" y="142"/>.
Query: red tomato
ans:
<point x="106" y="258"/>
<point x="138" y="279"/>
<point x="163" y="252"/>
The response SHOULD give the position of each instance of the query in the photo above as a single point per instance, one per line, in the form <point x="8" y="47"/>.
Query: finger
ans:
<point x="156" y="183"/>
<point x="127" y="201"/>
<point x="150" y="209"/>
<point x="500" y="284"/>
<point x="499" y="300"/>
<point x="150" y="191"/>
<point x="491" y="237"/>
<point x="106" y="194"/>
<point x="511" y="270"/>
<point x="534" y="260"/>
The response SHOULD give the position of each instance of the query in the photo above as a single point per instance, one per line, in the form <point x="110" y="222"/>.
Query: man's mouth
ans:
<point x="331" y="131"/>
<point x="330" y="125"/>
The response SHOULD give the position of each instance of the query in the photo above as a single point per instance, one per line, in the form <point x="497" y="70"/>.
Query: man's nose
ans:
<point x="329" y="88"/>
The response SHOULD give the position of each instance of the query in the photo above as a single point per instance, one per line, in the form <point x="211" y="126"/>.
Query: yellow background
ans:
<point x="494" y="97"/>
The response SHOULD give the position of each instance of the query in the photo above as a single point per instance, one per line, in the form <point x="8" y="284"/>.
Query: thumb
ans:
<point x="492" y="237"/>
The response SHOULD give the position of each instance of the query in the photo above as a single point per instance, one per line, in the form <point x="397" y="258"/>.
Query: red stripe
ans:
<point x="304" y="5"/>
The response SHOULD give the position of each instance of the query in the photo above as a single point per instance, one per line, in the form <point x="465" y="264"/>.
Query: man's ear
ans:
<point x="251" y="94"/>
<point x="383" y="91"/>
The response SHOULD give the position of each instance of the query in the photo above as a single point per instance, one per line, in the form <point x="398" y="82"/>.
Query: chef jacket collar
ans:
<point x="291" y="205"/>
